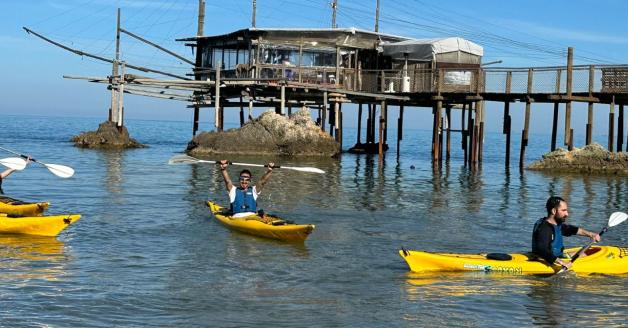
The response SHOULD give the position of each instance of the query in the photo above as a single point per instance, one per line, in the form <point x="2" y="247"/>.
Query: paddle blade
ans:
<point x="15" y="163"/>
<point x="617" y="218"/>
<point x="304" y="169"/>
<point x="183" y="159"/>
<point x="61" y="171"/>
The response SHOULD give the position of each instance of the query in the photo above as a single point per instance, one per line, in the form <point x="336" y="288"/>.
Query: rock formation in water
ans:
<point x="590" y="159"/>
<point x="269" y="134"/>
<point x="106" y="137"/>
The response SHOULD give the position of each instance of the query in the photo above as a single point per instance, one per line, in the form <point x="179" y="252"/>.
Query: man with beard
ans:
<point x="547" y="236"/>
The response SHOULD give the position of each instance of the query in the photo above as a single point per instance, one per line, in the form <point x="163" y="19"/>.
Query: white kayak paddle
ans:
<point x="185" y="159"/>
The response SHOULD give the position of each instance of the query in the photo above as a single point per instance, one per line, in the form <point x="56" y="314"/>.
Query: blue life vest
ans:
<point x="244" y="201"/>
<point x="557" y="243"/>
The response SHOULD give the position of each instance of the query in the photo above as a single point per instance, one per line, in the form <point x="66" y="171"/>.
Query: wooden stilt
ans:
<point x="440" y="140"/>
<point x="470" y="125"/>
<point x="448" y="119"/>
<point x="620" y="128"/>
<point x="508" y="133"/>
<point x="589" y="133"/>
<point x="481" y="132"/>
<point x="399" y="129"/>
<point x="217" y="98"/>
<point x="241" y="112"/>
<point x="465" y="133"/>
<point x="382" y="122"/>
<point x="556" y="108"/>
<point x="436" y="131"/>
<point x="195" y="122"/>
<point x="384" y="109"/>
<point x="526" y="127"/>
<point x="323" y="118"/>
<point x="506" y="128"/>
<point x="332" y="118"/>
<point x="373" y="121"/>
<point x="554" y="126"/>
<point x="611" y="126"/>
<point x="569" y="85"/>
<point x="359" y="122"/>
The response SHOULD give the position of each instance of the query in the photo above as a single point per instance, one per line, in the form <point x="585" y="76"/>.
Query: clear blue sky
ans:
<point x="520" y="33"/>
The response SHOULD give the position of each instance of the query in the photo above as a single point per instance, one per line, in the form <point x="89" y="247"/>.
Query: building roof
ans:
<point x="426" y="49"/>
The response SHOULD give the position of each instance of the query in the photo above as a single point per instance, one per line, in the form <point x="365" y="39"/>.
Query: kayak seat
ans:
<point x="499" y="256"/>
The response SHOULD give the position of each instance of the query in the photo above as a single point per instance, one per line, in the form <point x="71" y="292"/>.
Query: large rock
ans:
<point x="590" y="159"/>
<point x="106" y="137"/>
<point x="269" y="134"/>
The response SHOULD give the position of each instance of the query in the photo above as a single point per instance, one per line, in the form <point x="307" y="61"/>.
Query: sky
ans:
<point x="519" y="33"/>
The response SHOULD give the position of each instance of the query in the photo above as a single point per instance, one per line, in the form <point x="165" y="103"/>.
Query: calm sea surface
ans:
<point x="147" y="252"/>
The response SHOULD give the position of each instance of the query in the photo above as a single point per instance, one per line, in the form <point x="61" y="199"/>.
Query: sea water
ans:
<point x="148" y="253"/>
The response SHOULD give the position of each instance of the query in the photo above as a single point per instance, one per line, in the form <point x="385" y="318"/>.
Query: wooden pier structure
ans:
<point x="322" y="69"/>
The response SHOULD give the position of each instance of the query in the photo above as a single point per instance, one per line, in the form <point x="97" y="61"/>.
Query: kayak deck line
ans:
<point x="273" y="227"/>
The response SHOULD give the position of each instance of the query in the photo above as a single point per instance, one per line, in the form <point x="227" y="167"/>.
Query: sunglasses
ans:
<point x="245" y="179"/>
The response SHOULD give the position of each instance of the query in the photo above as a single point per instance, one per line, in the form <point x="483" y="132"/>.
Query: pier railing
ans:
<point x="548" y="80"/>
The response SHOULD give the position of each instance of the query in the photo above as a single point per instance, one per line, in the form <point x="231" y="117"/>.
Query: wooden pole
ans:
<point x="436" y="131"/>
<point x="217" y="98"/>
<point x="254" y="13"/>
<point x="507" y="128"/>
<point x="524" y="134"/>
<point x="568" y="140"/>
<point x="201" y="18"/>
<point x="337" y="120"/>
<point x="464" y="133"/>
<point x="334" y="5"/>
<point x="556" y="108"/>
<point x="448" y="119"/>
<point x="620" y="128"/>
<point x="611" y="126"/>
<point x="241" y="112"/>
<point x="481" y="131"/>
<point x="324" y="111"/>
<point x="113" y="110"/>
<point x="199" y="57"/>
<point x="282" y="108"/>
<point x="382" y="121"/>
<point x="399" y="129"/>
<point x="590" y="107"/>
<point x="120" y="104"/>
<point x="377" y="17"/>
<point x="359" y="123"/>
<point x="196" y="117"/>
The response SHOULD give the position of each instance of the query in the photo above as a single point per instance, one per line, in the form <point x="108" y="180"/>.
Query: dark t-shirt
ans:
<point x="543" y="236"/>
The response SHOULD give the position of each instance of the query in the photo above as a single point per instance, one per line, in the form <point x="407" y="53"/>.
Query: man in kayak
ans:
<point x="243" y="198"/>
<point x="547" y="236"/>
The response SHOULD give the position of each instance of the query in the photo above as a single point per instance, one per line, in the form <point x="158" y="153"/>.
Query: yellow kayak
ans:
<point x="599" y="259"/>
<point x="275" y="228"/>
<point x="36" y="225"/>
<point x="12" y="206"/>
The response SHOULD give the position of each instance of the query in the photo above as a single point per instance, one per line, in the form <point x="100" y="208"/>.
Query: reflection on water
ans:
<point x="24" y="257"/>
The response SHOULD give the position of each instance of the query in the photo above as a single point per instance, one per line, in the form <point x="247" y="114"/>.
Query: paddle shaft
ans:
<point x="184" y="159"/>
<point x="584" y="248"/>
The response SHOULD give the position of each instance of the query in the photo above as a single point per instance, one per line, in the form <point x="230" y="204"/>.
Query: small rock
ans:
<point x="591" y="159"/>
<point x="269" y="134"/>
<point x="106" y="137"/>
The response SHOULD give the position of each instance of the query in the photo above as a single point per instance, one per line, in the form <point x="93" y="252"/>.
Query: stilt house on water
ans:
<point x="312" y="67"/>
<point x="348" y="59"/>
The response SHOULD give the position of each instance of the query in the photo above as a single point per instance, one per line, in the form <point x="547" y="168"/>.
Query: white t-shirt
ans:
<point x="232" y="197"/>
